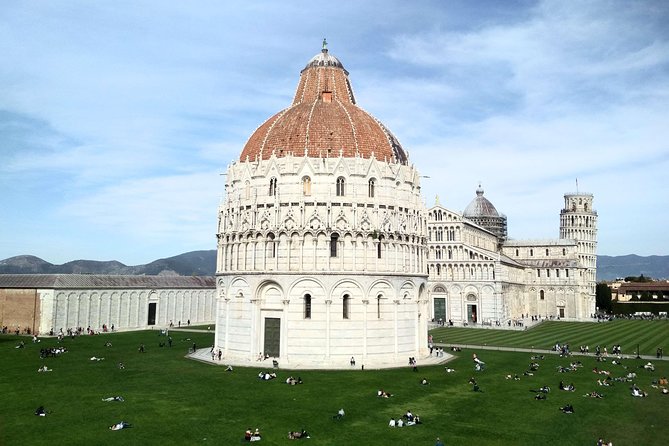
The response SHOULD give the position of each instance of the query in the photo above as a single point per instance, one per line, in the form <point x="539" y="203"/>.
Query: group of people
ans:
<point x="295" y="435"/>
<point x="252" y="435"/>
<point x="408" y="419"/>
<point x="266" y="376"/>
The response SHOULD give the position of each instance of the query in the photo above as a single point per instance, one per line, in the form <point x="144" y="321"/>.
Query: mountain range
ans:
<point x="203" y="263"/>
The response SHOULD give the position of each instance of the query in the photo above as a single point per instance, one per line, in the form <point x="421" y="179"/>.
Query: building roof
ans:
<point x="533" y="243"/>
<point x="480" y="207"/>
<point x="75" y="281"/>
<point x="324" y="121"/>
<point x="627" y="287"/>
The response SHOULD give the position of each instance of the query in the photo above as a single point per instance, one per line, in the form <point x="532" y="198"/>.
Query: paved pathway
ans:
<point x="542" y="351"/>
<point x="204" y="355"/>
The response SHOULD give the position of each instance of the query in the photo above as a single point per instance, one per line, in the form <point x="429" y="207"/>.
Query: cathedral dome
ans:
<point x="480" y="206"/>
<point x="324" y="121"/>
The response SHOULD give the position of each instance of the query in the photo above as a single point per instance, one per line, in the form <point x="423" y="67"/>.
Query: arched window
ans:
<point x="306" y="186"/>
<point x="271" y="246"/>
<point x="546" y="252"/>
<point x="370" y="187"/>
<point x="307" y="306"/>
<point x="517" y="253"/>
<point x="564" y="251"/>
<point x="378" y="306"/>
<point x="272" y="187"/>
<point x="378" y="248"/>
<point x="340" y="186"/>
<point x="345" y="306"/>
<point x="334" y="238"/>
<point x="531" y="252"/>
<point x="541" y="294"/>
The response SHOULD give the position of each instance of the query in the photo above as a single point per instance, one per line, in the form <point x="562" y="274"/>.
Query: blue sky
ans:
<point x="118" y="117"/>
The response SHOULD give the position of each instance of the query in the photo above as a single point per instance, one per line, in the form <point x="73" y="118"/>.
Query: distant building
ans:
<point x="478" y="276"/>
<point x="44" y="302"/>
<point x="653" y="291"/>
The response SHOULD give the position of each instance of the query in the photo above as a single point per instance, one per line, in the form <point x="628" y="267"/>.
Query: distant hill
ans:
<point x="203" y="263"/>
<point x="195" y="263"/>
<point x="612" y="267"/>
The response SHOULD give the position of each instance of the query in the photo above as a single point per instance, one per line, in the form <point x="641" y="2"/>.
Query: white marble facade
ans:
<point x="321" y="260"/>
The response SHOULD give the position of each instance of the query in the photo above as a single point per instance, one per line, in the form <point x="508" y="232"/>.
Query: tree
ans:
<point x="639" y="279"/>
<point x="603" y="297"/>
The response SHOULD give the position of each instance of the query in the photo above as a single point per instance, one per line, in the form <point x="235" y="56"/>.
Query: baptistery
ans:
<point x="322" y="236"/>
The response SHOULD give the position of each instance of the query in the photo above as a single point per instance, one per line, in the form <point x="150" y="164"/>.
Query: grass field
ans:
<point x="648" y="335"/>
<point x="171" y="400"/>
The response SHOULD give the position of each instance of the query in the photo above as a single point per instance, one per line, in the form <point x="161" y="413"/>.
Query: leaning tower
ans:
<point x="578" y="221"/>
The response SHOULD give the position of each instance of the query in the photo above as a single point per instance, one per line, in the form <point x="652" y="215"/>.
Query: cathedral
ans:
<point x="326" y="251"/>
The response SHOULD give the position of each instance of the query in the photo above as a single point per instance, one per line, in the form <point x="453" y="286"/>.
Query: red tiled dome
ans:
<point x="323" y="121"/>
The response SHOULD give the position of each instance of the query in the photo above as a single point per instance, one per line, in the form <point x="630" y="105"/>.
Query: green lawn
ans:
<point x="649" y="335"/>
<point x="172" y="400"/>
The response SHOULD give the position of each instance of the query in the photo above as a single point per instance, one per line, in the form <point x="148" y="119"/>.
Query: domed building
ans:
<point x="322" y="236"/>
<point x="482" y="212"/>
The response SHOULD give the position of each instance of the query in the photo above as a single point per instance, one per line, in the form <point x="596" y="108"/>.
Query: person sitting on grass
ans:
<point x="414" y="421"/>
<point x="292" y="381"/>
<point x="475" y="385"/>
<point x="113" y="398"/>
<point x="400" y="423"/>
<point x="121" y="366"/>
<point x="256" y="435"/>
<point x="383" y="394"/>
<point x="593" y="394"/>
<point x="638" y="392"/>
<point x="449" y="370"/>
<point x="119" y="426"/>
<point x="392" y="423"/>
<point x="44" y="369"/>
<point x="478" y="364"/>
<point x="568" y="408"/>
<point x="296" y="435"/>
<point x="40" y="411"/>
<point x="424" y="382"/>
<point x="540" y="396"/>
<point x="266" y="376"/>
<point x="339" y="415"/>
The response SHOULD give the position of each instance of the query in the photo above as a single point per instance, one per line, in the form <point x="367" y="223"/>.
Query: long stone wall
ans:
<point x="125" y="309"/>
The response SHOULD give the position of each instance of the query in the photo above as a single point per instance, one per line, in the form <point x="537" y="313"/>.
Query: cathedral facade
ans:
<point x="326" y="250"/>
<point x="479" y="276"/>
